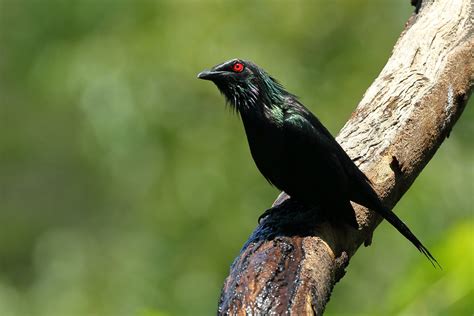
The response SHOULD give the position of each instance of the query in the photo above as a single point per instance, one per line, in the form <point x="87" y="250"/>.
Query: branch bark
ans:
<point x="291" y="262"/>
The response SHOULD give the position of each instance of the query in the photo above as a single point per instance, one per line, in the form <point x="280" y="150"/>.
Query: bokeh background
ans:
<point x="127" y="188"/>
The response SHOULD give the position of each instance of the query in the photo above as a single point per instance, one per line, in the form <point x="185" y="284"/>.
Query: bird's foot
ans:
<point x="268" y="212"/>
<point x="289" y="207"/>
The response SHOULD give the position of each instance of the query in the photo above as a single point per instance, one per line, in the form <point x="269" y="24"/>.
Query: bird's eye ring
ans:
<point x="238" y="67"/>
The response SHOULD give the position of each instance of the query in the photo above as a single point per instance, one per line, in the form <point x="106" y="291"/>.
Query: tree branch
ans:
<point x="291" y="262"/>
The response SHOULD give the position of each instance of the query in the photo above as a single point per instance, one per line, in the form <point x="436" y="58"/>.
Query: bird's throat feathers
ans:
<point x="255" y="95"/>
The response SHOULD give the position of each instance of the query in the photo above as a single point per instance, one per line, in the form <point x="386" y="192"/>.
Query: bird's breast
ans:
<point x="266" y="144"/>
<point x="301" y="170"/>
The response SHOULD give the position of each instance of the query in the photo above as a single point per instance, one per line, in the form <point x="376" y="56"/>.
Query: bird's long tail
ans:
<point x="405" y="231"/>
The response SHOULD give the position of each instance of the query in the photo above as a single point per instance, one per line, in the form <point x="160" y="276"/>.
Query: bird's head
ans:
<point x="245" y="85"/>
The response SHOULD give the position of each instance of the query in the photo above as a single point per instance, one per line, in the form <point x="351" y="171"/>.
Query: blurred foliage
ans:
<point x="126" y="187"/>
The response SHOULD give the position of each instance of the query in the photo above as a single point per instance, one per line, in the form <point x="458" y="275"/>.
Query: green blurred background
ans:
<point x="127" y="188"/>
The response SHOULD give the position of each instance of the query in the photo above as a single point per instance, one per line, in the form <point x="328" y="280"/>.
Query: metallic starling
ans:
<point x="294" y="151"/>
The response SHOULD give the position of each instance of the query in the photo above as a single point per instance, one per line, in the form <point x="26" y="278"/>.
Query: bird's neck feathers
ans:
<point x="256" y="95"/>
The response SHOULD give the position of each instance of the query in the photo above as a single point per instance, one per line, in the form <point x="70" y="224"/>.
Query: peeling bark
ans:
<point x="291" y="262"/>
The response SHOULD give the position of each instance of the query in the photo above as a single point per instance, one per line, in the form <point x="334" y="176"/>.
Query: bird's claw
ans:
<point x="268" y="212"/>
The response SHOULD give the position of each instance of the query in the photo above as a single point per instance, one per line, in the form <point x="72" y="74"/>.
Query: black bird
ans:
<point x="294" y="151"/>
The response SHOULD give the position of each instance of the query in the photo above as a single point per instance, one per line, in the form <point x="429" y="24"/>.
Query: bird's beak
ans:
<point x="209" y="74"/>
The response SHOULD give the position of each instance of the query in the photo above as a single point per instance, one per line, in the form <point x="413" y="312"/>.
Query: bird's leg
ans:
<point x="268" y="212"/>
<point x="280" y="203"/>
<point x="281" y="199"/>
<point x="288" y="205"/>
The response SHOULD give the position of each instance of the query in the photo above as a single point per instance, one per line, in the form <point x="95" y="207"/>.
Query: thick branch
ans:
<point x="291" y="262"/>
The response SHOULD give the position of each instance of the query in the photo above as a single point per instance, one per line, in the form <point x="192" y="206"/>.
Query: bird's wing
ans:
<point x="330" y="143"/>
<point x="302" y="127"/>
<point x="312" y="145"/>
<point x="365" y="193"/>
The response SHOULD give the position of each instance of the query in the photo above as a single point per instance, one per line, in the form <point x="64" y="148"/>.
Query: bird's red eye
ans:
<point x="238" y="67"/>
